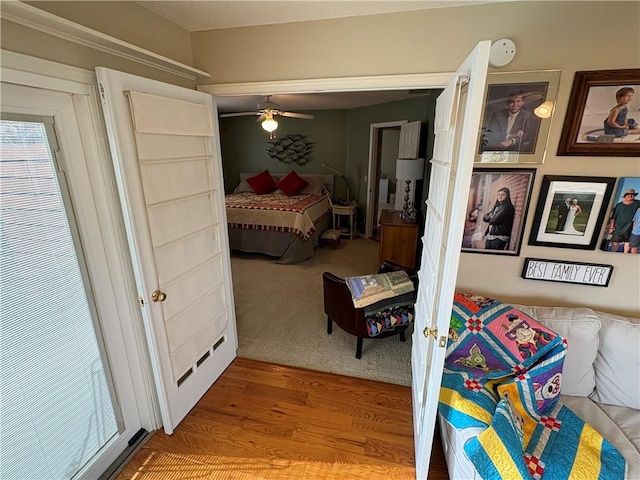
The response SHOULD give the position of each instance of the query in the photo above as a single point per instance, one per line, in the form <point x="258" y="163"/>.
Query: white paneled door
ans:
<point x="458" y="111"/>
<point x="166" y="154"/>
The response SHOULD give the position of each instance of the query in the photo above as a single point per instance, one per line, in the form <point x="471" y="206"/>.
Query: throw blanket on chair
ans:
<point x="503" y="373"/>
<point x="387" y="299"/>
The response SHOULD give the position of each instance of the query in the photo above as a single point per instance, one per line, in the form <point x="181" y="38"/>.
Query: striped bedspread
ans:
<point x="276" y="212"/>
<point x="503" y="373"/>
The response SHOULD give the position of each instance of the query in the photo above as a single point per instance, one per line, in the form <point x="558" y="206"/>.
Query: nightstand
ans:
<point x="398" y="240"/>
<point x="347" y="210"/>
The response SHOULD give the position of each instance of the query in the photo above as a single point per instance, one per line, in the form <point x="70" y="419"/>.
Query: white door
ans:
<point x="458" y="112"/>
<point x="409" y="140"/>
<point x="165" y="149"/>
<point x="68" y="398"/>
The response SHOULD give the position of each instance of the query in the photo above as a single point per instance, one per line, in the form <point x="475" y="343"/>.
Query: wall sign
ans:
<point x="567" y="272"/>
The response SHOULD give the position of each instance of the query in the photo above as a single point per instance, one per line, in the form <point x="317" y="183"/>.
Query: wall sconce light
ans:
<point x="544" y="110"/>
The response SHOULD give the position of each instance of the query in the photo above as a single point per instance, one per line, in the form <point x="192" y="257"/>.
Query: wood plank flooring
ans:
<point x="271" y="422"/>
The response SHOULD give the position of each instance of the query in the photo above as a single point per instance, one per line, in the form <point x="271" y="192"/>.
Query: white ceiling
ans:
<point x="216" y="14"/>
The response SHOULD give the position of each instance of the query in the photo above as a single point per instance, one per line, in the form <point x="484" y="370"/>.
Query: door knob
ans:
<point x="158" y="296"/>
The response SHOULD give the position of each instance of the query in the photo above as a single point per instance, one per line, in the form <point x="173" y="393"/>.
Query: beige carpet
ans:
<point x="280" y="315"/>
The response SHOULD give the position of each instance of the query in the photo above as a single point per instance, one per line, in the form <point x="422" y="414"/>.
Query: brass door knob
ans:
<point x="158" y="296"/>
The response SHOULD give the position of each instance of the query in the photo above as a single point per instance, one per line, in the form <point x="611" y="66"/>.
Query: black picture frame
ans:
<point x="562" y="271"/>
<point x="483" y="193"/>
<point x="590" y="194"/>
<point x="593" y="96"/>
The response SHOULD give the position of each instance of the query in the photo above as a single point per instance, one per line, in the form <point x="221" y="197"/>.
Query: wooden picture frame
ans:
<point x="594" y="274"/>
<point x="570" y="211"/>
<point x="593" y="98"/>
<point x="532" y="96"/>
<point x="480" y="231"/>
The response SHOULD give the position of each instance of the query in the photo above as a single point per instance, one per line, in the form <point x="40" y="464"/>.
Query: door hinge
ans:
<point x="102" y="94"/>
<point x="140" y="301"/>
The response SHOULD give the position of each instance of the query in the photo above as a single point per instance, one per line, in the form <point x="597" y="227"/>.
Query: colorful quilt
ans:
<point x="503" y="373"/>
<point x="369" y="289"/>
<point x="387" y="299"/>
<point x="297" y="214"/>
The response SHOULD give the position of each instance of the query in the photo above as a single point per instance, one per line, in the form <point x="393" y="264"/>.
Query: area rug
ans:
<point x="280" y="315"/>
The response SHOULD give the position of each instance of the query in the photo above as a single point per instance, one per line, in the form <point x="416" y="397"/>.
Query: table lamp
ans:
<point x="409" y="169"/>
<point x="341" y="175"/>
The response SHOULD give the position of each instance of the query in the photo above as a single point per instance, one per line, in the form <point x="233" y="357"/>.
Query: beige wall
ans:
<point x="124" y="20"/>
<point x="569" y="36"/>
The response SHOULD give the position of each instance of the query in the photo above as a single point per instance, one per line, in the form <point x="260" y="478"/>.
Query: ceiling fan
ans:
<point x="267" y="110"/>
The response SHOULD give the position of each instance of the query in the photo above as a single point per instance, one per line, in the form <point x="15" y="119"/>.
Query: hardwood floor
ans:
<point x="265" y="421"/>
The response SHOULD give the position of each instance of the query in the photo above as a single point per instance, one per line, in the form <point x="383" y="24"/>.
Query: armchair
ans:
<point x="338" y="305"/>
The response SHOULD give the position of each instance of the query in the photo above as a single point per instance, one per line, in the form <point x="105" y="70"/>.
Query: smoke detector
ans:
<point x="502" y="52"/>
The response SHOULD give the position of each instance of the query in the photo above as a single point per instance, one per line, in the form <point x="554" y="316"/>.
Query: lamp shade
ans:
<point x="269" y="124"/>
<point x="544" y="110"/>
<point x="410" y="168"/>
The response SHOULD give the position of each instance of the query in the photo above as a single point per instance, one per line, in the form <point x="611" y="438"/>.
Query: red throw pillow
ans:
<point x="262" y="183"/>
<point x="292" y="183"/>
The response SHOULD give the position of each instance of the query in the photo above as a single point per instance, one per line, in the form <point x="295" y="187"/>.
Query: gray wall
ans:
<point x="340" y="137"/>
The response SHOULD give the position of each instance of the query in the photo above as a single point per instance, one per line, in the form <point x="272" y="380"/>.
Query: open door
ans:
<point x="458" y="112"/>
<point x="165" y="148"/>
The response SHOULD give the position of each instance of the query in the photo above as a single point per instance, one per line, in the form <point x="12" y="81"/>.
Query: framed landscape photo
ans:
<point x="570" y="211"/>
<point x="518" y="107"/>
<point x="603" y="114"/>
<point x="497" y="210"/>
<point x="625" y="206"/>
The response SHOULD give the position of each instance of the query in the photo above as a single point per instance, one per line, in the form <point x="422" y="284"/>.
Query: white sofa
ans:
<point x="601" y="383"/>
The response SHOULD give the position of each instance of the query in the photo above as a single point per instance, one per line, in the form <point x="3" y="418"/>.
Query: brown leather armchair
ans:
<point x="338" y="305"/>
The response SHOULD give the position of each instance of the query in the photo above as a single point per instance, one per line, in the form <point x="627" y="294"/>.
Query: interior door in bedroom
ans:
<point x="458" y="112"/>
<point x="166" y="154"/>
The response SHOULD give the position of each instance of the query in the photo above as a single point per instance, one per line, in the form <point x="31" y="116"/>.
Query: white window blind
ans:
<point x="56" y="411"/>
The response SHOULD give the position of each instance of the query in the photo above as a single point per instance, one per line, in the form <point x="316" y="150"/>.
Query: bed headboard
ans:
<point x="327" y="179"/>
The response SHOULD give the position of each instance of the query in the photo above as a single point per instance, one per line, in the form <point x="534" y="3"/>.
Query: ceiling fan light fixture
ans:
<point x="269" y="124"/>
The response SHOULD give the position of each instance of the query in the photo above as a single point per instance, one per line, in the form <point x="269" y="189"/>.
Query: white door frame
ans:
<point x="373" y="173"/>
<point x="127" y="332"/>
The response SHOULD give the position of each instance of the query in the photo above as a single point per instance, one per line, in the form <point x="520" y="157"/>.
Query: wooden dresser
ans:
<point x="398" y="240"/>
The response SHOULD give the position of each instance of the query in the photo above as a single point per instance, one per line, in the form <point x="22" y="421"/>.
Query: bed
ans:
<point x="287" y="227"/>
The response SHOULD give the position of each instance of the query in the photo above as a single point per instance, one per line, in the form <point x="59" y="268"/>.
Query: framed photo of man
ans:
<point x="517" y="116"/>
<point x="570" y="211"/>
<point x="497" y="210"/>
<point x="603" y="115"/>
<point x="622" y="229"/>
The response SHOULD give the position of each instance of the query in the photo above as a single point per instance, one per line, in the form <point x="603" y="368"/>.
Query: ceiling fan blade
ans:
<point x="239" y="114"/>
<point x="296" y="115"/>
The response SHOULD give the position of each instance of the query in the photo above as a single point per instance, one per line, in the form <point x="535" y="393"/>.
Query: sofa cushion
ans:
<point x="618" y="362"/>
<point x="621" y="426"/>
<point x="579" y="327"/>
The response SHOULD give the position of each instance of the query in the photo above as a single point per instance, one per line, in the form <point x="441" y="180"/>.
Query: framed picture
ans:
<point x="603" y="114"/>
<point x="497" y="210"/>
<point x="619" y="226"/>
<point x="517" y="115"/>
<point x="570" y="211"/>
